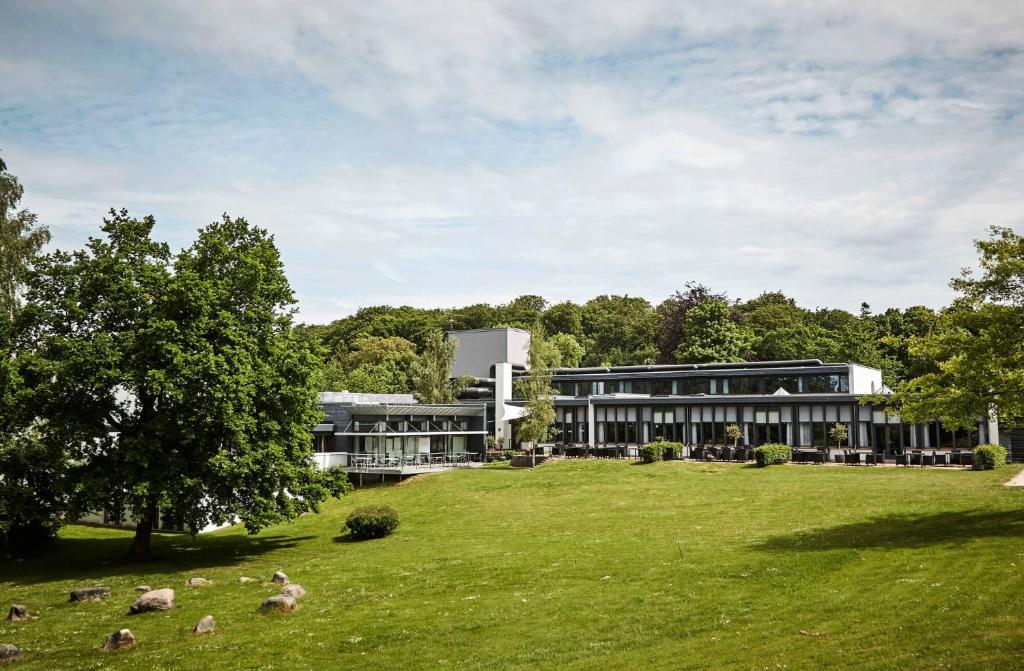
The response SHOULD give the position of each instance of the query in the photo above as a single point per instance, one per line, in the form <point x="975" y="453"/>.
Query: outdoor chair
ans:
<point x="915" y="458"/>
<point x="941" y="458"/>
<point x="967" y="458"/>
<point x="903" y="459"/>
<point x="874" y="459"/>
<point x="853" y="458"/>
<point x="927" y="459"/>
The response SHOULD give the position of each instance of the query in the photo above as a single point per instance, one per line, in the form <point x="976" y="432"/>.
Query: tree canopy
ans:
<point x="177" y="382"/>
<point x="978" y="348"/>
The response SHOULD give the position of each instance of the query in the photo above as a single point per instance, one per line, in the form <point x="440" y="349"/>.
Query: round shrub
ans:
<point x="371" y="522"/>
<point x="651" y="452"/>
<point x="772" y="453"/>
<point x="987" y="457"/>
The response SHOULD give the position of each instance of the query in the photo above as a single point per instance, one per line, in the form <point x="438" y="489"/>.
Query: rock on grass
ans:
<point x="279" y="603"/>
<point x="205" y="625"/>
<point x="158" y="599"/>
<point x="89" y="594"/>
<point x="123" y="638"/>
<point x="293" y="590"/>
<point x="9" y="653"/>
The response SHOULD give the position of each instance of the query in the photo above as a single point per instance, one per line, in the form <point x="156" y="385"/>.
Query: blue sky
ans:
<point x="459" y="152"/>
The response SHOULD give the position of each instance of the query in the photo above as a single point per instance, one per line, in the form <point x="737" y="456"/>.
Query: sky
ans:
<point x="446" y="153"/>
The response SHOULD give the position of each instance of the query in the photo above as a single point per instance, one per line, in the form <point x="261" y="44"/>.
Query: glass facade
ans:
<point x="734" y="385"/>
<point x="790" y="422"/>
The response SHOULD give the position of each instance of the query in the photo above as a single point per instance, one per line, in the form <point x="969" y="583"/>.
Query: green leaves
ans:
<point x="178" y="379"/>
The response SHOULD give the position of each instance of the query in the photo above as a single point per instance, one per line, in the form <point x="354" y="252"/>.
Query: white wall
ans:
<point x="864" y="380"/>
<point x="479" y="349"/>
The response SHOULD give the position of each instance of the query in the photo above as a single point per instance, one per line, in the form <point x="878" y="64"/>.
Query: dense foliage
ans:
<point x="368" y="522"/>
<point x="692" y="326"/>
<point x="987" y="457"/>
<point x="772" y="453"/>
<point x="658" y="450"/>
<point x="535" y="388"/>
<point x="977" y="349"/>
<point x="175" y="382"/>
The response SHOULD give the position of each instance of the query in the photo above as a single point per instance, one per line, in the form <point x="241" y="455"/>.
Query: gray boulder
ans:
<point x="123" y="638"/>
<point x="157" y="599"/>
<point x="205" y="626"/>
<point x="18" y="613"/>
<point x="279" y="603"/>
<point x="198" y="582"/>
<point x="9" y="653"/>
<point x="143" y="588"/>
<point x="89" y="594"/>
<point x="293" y="590"/>
<point x="279" y="578"/>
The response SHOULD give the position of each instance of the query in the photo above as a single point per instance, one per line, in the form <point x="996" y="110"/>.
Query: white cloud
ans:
<point x="838" y="151"/>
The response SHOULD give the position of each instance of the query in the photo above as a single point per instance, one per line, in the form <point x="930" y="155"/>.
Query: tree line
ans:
<point x="373" y="350"/>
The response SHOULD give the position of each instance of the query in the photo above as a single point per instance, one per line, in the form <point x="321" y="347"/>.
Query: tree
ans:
<point x="21" y="239"/>
<point x="177" y="382"/>
<point x="535" y="388"/>
<point x="733" y="432"/>
<point x="978" y="349"/>
<point x="710" y="335"/>
<point x="619" y="330"/>
<point x="523" y="312"/>
<point x="373" y="365"/>
<point x="569" y="350"/>
<point x="839" y="433"/>
<point x="672" y="314"/>
<point x="565" y="318"/>
<point x="432" y="371"/>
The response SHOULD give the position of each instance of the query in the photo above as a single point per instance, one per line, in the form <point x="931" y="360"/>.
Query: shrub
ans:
<point x="772" y="453"/>
<point x="652" y="452"/>
<point x="371" y="522"/>
<point x="987" y="457"/>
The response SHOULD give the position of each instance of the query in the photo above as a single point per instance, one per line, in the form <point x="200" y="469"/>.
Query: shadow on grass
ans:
<point x="85" y="558"/>
<point x="905" y="531"/>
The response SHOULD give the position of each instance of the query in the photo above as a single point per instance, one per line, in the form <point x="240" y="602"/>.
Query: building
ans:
<point x="791" y="402"/>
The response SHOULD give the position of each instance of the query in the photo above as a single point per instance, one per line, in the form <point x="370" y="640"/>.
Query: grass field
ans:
<point x="597" y="564"/>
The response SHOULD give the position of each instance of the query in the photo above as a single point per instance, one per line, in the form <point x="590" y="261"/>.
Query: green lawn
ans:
<point x="597" y="564"/>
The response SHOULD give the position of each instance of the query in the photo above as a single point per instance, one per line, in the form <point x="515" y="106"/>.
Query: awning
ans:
<point x="323" y="428"/>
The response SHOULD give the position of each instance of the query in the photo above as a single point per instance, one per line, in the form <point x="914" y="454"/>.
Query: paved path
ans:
<point x="1016" y="481"/>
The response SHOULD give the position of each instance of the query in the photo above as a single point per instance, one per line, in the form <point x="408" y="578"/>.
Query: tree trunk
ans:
<point x="141" y="549"/>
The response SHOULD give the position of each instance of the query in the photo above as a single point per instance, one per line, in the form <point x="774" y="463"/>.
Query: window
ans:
<point x="661" y="387"/>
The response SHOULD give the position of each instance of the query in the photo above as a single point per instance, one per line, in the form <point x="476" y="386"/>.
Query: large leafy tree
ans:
<point x="711" y="335"/>
<point x="978" y="349"/>
<point x="570" y="352"/>
<point x="565" y="317"/>
<point x="177" y="383"/>
<point x="432" y="371"/>
<point x="672" y="315"/>
<point x="619" y="330"/>
<point x="372" y="365"/>
<point x="21" y="239"/>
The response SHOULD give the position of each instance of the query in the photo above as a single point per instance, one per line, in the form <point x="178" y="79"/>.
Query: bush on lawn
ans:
<point x="987" y="457"/>
<point x="371" y="522"/>
<point x="652" y="452"/>
<point x="772" y="453"/>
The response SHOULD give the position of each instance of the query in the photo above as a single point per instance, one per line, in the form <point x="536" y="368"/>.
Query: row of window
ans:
<point x="838" y="383"/>
<point x="407" y="426"/>
<point x="798" y="425"/>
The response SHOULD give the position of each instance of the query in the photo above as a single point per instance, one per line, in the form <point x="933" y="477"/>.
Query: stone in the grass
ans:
<point x="18" y="613"/>
<point x="279" y="603"/>
<point x="157" y="599"/>
<point x="293" y="590"/>
<point x="279" y="578"/>
<point x="245" y="580"/>
<point x="143" y="588"/>
<point x="89" y="594"/>
<point x="205" y="625"/>
<point x="123" y="638"/>
<point x="9" y="653"/>
<point x="198" y="582"/>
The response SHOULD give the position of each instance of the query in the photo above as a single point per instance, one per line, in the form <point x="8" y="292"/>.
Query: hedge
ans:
<point x="987" y="457"/>
<point x="772" y="453"/>
<point x="371" y="522"/>
<point x="652" y="452"/>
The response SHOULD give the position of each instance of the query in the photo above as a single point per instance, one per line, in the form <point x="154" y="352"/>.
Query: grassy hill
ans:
<point x="597" y="564"/>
